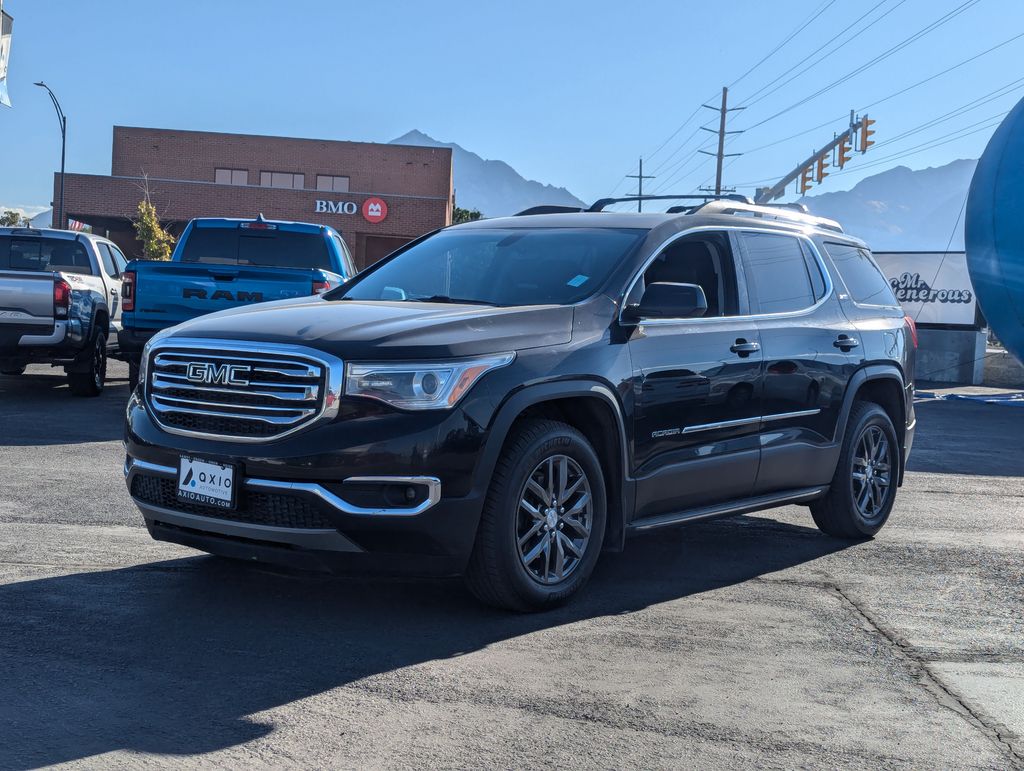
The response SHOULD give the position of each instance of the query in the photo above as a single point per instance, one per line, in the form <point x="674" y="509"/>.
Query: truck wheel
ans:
<point x="133" y="375"/>
<point x="863" y="489"/>
<point x="543" y="520"/>
<point x="90" y="382"/>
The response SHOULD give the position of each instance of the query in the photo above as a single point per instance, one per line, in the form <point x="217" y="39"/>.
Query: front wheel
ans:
<point x="543" y="521"/>
<point x="89" y="382"/>
<point x="863" y="489"/>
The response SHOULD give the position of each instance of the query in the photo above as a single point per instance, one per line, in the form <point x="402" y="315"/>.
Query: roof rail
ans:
<point x="600" y="203"/>
<point x="780" y="213"/>
<point x="549" y="208"/>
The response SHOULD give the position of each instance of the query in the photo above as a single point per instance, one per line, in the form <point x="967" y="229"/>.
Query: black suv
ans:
<point x="507" y="398"/>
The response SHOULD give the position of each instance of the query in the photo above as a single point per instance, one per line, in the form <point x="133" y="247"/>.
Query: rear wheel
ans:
<point x="543" y="521"/>
<point x="89" y="382"/>
<point x="863" y="489"/>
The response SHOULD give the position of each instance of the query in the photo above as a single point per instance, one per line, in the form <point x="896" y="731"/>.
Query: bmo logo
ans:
<point x="374" y="210"/>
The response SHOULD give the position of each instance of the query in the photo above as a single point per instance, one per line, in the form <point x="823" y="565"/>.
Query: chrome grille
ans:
<point x="239" y="391"/>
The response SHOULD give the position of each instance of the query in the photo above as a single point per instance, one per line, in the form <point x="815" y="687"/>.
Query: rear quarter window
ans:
<point x="863" y="278"/>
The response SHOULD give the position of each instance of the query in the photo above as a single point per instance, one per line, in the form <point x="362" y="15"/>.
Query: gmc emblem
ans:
<point x="208" y="373"/>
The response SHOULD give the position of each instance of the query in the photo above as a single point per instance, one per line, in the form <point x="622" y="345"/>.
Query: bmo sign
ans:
<point x="374" y="210"/>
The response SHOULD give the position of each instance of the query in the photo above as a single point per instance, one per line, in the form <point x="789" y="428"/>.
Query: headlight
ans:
<point x="420" y="385"/>
<point x="144" y="364"/>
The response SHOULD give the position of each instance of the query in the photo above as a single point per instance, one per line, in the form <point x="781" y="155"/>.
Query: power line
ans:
<point x="814" y="15"/>
<point x="751" y="100"/>
<point x="945" y="19"/>
<point x="893" y="95"/>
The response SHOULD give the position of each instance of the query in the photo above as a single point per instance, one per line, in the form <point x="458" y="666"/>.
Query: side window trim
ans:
<point x="741" y="290"/>
<point x="734" y="232"/>
<point x="848" y="294"/>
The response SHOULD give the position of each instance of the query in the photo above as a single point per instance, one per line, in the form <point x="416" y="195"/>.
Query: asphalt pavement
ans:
<point x="752" y="641"/>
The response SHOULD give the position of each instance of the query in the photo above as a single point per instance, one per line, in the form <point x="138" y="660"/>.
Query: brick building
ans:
<point x="378" y="196"/>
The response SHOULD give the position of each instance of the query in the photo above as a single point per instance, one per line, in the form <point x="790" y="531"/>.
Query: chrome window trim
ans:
<point x="334" y="375"/>
<point x="433" y="485"/>
<point x="800" y="234"/>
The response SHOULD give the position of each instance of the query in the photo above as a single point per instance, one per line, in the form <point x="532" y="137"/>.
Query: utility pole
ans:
<point x="721" y="154"/>
<point x="640" y="177"/>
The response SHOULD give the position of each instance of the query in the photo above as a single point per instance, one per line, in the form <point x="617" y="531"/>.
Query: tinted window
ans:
<point x="108" y="260"/>
<point x="705" y="261"/>
<point x="505" y="266"/>
<point x="346" y="256"/>
<point x="119" y="259"/>
<point x="814" y="271"/>
<point x="777" y="277"/>
<point x="239" y="246"/>
<point x="864" y="281"/>
<point x="46" y="254"/>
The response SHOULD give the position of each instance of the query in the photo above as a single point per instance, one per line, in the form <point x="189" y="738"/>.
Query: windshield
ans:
<point x="274" y="248"/>
<point x="506" y="266"/>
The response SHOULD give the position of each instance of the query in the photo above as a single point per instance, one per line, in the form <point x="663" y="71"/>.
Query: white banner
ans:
<point x="6" y="25"/>
<point x="933" y="287"/>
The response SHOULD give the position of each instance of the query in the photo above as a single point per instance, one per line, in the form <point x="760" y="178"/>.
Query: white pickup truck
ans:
<point x="59" y="303"/>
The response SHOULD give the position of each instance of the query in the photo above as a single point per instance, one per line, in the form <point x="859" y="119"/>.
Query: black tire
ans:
<point x="856" y="506"/>
<point x="90" y="382"/>
<point x="13" y="372"/>
<point x="498" y="573"/>
<point x="133" y="375"/>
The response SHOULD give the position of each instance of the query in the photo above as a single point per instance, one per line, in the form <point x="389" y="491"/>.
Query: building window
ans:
<point x="231" y="177"/>
<point x="282" y="179"/>
<point x="329" y="184"/>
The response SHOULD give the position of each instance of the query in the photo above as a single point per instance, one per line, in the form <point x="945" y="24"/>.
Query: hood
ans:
<point x="388" y="330"/>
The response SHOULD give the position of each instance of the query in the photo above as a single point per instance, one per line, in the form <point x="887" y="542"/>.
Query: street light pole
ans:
<point x="62" y="119"/>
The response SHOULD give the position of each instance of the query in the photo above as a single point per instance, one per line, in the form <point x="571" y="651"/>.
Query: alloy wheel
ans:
<point x="554" y="519"/>
<point x="871" y="477"/>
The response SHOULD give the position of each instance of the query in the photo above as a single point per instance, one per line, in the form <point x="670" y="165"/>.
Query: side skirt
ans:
<point x="743" y="506"/>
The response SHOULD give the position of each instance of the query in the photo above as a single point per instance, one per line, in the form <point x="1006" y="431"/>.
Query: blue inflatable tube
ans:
<point x="994" y="231"/>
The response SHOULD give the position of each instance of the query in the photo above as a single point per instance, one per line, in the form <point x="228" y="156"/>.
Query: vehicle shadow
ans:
<point x="173" y="657"/>
<point x="31" y="402"/>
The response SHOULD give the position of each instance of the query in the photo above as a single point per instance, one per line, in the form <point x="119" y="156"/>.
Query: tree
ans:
<point x="156" y="242"/>
<point x="11" y="219"/>
<point x="460" y="215"/>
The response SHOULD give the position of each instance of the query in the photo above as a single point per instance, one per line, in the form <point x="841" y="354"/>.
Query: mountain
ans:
<point x="903" y="209"/>
<point x="493" y="187"/>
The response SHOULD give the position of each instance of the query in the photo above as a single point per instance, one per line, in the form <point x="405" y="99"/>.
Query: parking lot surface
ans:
<point x="747" y="641"/>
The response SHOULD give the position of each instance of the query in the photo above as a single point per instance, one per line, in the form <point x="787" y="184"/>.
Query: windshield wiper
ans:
<point x="441" y="298"/>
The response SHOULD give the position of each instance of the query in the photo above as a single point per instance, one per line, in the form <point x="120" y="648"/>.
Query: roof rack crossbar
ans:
<point x="601" y="203"/>
<point x="780" y="213"/>
<point x="549" y="208"/>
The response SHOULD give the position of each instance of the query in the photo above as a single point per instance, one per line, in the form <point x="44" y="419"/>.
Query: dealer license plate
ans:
<point x="206" y="483"/>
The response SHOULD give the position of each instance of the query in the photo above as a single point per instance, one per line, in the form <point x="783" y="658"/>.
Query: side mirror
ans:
<point x="664" y="300"/>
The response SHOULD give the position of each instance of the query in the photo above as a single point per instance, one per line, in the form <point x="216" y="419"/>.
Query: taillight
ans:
<point x="61" y="298"/>
<point x="128" y="290"/>
<point x="913" y="329"/>
<point x="319" y="287"/>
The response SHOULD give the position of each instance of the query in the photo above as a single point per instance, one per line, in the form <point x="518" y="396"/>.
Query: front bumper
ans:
<point x="308" y="501"/>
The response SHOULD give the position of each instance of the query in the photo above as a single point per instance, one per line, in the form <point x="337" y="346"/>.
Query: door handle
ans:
<point x="743" y="348"/>
<point x="846" y="343"/>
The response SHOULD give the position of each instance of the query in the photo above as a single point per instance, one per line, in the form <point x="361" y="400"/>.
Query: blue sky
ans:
<point x="569" y="93"/>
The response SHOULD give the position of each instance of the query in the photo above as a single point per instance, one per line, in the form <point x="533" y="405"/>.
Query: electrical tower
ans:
<point x="723" y="111"/>
<point x="640" y="177"/>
